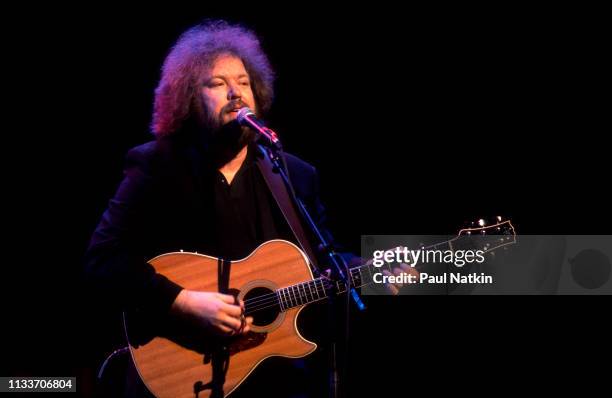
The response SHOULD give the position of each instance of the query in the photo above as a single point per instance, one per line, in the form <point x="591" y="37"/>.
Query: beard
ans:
<point x="232" y="135"/>
<point x="215" y="121"/>
<point x="225" y="139"/>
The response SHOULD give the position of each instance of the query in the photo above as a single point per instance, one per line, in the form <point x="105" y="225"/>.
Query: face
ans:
<point x="226" y="89"/>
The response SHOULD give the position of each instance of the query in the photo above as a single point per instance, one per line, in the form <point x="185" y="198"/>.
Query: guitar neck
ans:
<point x="319" y="288"/>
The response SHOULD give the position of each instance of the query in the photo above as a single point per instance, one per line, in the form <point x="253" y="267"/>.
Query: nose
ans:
<point x="234" y="92"/>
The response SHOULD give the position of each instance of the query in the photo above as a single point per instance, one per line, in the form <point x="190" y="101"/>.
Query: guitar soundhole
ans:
<point x="262" y="304"/>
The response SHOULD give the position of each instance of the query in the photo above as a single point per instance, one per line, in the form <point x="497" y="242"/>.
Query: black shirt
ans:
<point x="246" y="214"/>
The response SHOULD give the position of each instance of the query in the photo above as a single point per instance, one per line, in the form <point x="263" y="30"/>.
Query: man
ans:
<point x="197" y="188"/>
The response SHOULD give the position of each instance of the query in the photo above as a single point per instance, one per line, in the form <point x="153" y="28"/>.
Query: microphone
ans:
<point x="246" y="117"/>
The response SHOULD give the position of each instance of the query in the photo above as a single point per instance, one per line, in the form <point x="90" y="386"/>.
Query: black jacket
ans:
<point x="165" y="204"/>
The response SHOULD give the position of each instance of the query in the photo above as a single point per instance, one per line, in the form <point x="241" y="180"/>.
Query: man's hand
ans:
<point x="215" y="311"/>
<point x="394" y="288"/>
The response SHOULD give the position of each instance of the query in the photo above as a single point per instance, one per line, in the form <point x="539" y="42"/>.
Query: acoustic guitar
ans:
<point x="276" y="283"/>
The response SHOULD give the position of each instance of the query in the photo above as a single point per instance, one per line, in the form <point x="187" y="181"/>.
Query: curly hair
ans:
<point x="177" y="97"/>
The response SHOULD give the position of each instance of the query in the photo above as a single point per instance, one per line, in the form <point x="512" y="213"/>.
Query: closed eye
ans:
<point x="214" y="83"/>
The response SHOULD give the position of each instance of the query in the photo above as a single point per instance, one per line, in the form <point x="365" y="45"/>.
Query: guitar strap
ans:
<point x="219" y="355"/>
<point x="223" y="275"/>
<point x="285" y="203"/>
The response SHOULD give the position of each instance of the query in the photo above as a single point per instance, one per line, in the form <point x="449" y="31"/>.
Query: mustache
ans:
<point x="214" y="121"/>
<point x="233" y="106"/>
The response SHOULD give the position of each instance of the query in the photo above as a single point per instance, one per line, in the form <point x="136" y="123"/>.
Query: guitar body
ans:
<point x="168" y="369"/>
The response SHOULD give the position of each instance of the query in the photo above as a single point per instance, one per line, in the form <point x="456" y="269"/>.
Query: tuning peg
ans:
<point x="482" y="223"/>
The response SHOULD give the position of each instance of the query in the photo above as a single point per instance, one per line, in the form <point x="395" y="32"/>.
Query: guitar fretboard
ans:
<point x="319" y="288"/>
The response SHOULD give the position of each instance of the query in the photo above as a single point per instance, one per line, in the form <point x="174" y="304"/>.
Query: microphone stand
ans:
<point x="272" y="146"/>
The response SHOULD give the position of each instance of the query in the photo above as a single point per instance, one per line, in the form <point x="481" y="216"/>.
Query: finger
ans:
<point x="410" y="270"/>
<point x="241" y="305"/>
<point x="222" y="329"/>
<point x="248" y="322"/>
<point x="232" y="322"/>
<point x="398" y="272"/>
<point x="387" y="273"/>
<point x="391" y="289"/>
<point x="232" y="310"/>
<point x="226" y="298"/>
<point x="389" y="286"/>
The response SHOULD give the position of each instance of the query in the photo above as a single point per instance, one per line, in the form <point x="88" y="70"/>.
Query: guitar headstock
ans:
<point x="490" y="235"/>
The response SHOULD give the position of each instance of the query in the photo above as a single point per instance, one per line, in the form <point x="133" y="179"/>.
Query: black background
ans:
<point x="417" y="120"/>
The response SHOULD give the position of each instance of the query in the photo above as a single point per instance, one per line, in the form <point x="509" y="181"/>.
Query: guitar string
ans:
<point x="268" y="296"/>
<point x="264" y="301"/>
<point x="290" y="293"/>
<point x="262" y="304"/>
<point x="276" y="304"/>
<point x="270" y="302"/>
<point x="274" y="297"/>
<point x="256" y="302"/>
<point x="271" y="297"/>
